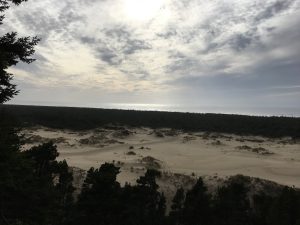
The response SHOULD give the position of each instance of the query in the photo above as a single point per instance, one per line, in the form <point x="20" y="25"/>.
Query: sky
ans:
<point x="159" y="53"/>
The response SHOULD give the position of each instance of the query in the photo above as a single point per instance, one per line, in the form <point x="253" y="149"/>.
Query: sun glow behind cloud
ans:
<point x="142" y="10"/>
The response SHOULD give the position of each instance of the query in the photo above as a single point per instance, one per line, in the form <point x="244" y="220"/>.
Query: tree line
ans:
<point x="89" y="118"/>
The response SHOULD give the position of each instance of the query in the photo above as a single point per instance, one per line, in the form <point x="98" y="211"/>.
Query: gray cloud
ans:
<point x="241" y="41"/>
<point x="168" y="34"/>
<point x="129" y="45"/>
<point x="135" y="45"/>
<point x="115" y="45"/>
<point x="137" y="74"/>
<point x="37" y="68"/>
<point x="182" y="64"/>
<point x="88" y="40"/>
<point x="109" y="56"/>
<point x="43" y="23"/>
<point x="273" y="9"/>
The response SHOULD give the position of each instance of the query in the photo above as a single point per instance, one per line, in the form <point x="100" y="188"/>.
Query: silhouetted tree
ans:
<point x="232" y="205"/>
<point x="15" y="173"/>
<point x="197" y="208"/>
<point x="43" y="155"/>
<point x="12" y="51"/>
<point x="285" y="208"/>
<point x="28" y="194"/>
<point x="65" y="190"/>
<point x="261" y="207"/>
<point x="149" y="179"/>
<point x="98" y="201"/>
<point x="175" y="215"/>
<point x="150" y="202"/>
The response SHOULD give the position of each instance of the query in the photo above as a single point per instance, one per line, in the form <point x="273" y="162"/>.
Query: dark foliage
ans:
<point x="28" y="193"/>
<point x="197" y="209"/>
<point x="104" y="201"/>
<point x="176" y="214"/>
<point x="193" y="208"/>
<point x="87" y="118"/>
<point x="285" y="208"/>
<point x="4" y="5"/>
<point x="231" y="205"/>
<point x="43" y="156"/>
<point x="12" y="51"/>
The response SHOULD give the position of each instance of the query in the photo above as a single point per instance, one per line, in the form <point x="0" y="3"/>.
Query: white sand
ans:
<point x="183" y="153"/>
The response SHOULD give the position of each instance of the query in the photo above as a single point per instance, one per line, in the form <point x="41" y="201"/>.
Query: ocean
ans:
<point x="255" y="111"/>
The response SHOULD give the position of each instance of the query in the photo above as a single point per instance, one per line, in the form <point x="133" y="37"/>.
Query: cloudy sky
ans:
<point x="188" y="53"/>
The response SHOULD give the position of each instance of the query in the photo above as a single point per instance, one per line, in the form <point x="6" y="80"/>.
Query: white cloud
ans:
<point x="137" y="46"/>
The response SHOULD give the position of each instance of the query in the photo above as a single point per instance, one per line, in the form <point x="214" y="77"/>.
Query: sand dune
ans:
<point x="202" y="154"/>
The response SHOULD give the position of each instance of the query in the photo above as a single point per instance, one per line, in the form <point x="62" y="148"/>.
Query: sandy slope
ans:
<point x="177" y="152"/>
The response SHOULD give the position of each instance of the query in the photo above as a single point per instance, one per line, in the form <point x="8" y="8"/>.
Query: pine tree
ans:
<point x="197" y="205"/>
<point x="177" y="207"/>
<point x="12" y="51"/>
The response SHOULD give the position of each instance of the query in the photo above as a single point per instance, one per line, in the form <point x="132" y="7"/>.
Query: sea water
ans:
<point x="255" y="111"/>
